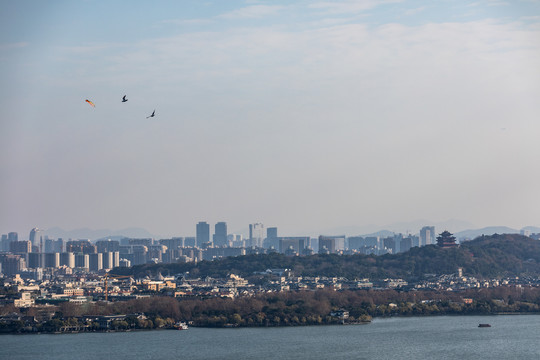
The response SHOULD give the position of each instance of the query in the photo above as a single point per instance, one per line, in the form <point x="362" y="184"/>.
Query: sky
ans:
<point x="305" y="115"/>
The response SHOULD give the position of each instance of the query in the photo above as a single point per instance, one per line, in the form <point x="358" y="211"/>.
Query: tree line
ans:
<point x="291" y="308"/>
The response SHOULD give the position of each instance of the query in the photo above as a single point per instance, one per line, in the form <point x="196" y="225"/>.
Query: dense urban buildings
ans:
<point x="41" y="254"/>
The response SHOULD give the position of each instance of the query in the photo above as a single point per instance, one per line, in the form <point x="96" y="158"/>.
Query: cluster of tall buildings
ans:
<point x="42" y="252"/>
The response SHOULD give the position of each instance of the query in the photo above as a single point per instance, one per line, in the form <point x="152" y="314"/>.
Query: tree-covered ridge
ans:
<point x="484" y="257"/>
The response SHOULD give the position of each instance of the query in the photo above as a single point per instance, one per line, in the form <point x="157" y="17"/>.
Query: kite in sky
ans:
<point x="124" y="99"/>
<point x="91" y="103"/>
<point x="154" y="113"/>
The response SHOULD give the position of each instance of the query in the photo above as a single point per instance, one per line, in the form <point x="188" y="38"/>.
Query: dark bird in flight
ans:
<point x="124" y="99"/>
<point x="154" y="113"/>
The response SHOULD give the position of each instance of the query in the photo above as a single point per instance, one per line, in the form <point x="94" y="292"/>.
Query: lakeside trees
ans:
<point x="289" y="308"/>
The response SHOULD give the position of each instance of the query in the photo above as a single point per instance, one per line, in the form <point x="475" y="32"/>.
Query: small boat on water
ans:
<point x="181" y="326"/>
<point x="484" y="325"/>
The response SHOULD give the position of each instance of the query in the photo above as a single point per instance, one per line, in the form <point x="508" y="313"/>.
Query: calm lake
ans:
<point x="447" y="337"/>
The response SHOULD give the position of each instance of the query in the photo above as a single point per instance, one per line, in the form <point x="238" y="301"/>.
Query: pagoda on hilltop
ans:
<point x="446" y="240"/>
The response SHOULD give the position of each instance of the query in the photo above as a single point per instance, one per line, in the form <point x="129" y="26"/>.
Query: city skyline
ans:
<point x="202" y="233"/>
<point x="300" y="115"/>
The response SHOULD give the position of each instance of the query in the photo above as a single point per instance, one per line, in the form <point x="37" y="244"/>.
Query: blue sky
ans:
<point x="305" y="115"/>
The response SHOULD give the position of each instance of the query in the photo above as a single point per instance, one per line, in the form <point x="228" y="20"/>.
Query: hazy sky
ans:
<point x="303" y="115"/>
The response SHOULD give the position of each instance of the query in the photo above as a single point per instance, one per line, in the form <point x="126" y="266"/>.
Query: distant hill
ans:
<point x="86" y="233"/>
<point x="484" y="257"/>
<point x="474" y="233"/>
<point x="411" y="227"/>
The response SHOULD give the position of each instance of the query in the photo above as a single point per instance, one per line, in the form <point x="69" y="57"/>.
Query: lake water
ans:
<point x="446" y="337"/>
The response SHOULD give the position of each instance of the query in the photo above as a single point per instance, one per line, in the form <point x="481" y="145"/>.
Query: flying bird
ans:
<point x="124" y="99"/>
<point x="91" y="103"/>
<point x="153" y="113"/>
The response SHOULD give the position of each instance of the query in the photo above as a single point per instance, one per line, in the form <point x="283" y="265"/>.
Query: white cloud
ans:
<point x="497" y="3"/>
<point x="253" y="11"/>
<point x="10" y="46"/>
<point x="410" y="12"/>
<point x="349" y="6"/>
<point x="188" y="22"/>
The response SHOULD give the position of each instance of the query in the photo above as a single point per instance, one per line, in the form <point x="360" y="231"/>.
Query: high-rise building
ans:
<point x="81" y="246"/>
<point x="271" y="232"/>
<point x="67" y="259"/>
<point x="355" y="242"/>
<point x="331" y="244"/>
<point x="13" y="236"/>
<point x="35" y="237"/>
<point x="116" y="259"/>
<point x="110" y="259"/>
<point x="174" y="243"/>
<point x="36" y="260"/>
<point x="256" y="235"/>
<point x="96" y="261"/>
<point x="107" y="258"/>
<point x="23" y="246"/>
<point x="52" y="246"/>
<point x="295" y="245"/>
<point x="4" y="244"/>
<point x="140" y="254"/>
<point x="190" y="241"/>
<point x="405" y="244"/>
<point x="203" y="233"/>
<point x="52" y="260"/>
<point x="107" y="246"/>
<point x="12" y="264"/>
<point x="141" y="241"/>
<point x="82" y="261"/>
<point x="427" y="236"/>
<point x="220" y="235"/>
<point x="272" y="240"/>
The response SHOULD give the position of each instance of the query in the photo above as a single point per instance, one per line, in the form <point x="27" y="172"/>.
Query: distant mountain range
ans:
<point x="472" y="234"/>
<point x="469" y="234"/>
<point x="86" y="233"/>
<point x="462" y="230"/>
<point x="411" y="227"/>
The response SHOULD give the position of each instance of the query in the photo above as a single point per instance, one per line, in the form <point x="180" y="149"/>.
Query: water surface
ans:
<point x="446" y="337"/>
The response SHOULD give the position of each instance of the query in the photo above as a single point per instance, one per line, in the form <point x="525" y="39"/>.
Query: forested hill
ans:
<point x="484" y="257"/>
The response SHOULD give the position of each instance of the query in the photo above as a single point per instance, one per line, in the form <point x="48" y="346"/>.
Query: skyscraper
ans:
<point x="13" y="236"/>
<point x="4" y="244"/>
<point x="220" y="234"/>
<point x="272" y="240"/>
<point x="271" y="232"/>
<point x="35" y="237"/>
<point x="23" y="246"/>
<point x="296" y="243"/>
<point x="203" y="233"/>
<point x="427" y="235"/>
<point x="96" y="261"/>
<point x="331" y="244"/>
<point x="256" y="234"/>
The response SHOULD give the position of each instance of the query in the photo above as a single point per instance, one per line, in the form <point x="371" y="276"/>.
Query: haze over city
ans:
<point x="302" y="115"/>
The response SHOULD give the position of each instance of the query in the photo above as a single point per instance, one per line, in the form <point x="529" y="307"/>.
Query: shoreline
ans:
<point x="234" y="326"/>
